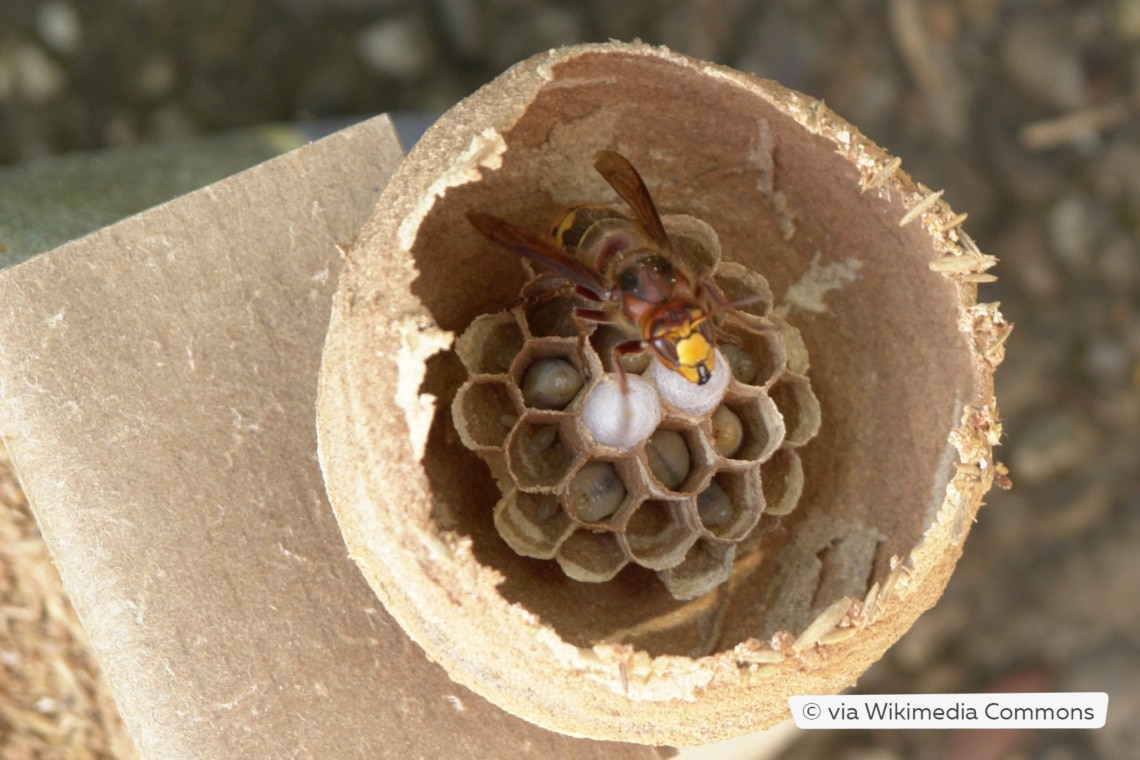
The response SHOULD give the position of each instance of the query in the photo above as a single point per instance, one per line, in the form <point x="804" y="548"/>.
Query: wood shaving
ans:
<point x="53" y="701"/>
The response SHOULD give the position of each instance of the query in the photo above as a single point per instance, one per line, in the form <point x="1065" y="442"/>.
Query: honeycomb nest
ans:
<point x="683" y="501"/>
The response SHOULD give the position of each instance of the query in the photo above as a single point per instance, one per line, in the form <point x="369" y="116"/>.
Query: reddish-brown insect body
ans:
<point x="623" y="273"/>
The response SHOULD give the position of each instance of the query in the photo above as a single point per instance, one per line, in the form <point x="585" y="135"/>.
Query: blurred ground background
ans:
<point x="1024" y="112"/>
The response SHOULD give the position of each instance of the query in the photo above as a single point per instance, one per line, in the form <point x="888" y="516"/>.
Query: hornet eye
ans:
<point x="666" y="349"/>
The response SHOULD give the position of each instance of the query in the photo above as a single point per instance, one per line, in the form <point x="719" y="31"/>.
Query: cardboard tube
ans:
<point x="871" y="267"/>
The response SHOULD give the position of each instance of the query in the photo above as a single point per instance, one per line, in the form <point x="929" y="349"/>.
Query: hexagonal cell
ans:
<point x="732" y="504"/>
<point x="756" y="349"/>
<point x="782" y="479"/>
<point x="798" y="406"/>
<point x="591" y="556"/>
<point x="794" y="347"/>
<point x="603" y="341"/>
<point x="694" y="242"/>
<point x="550" y="383"/>
<point x="539" y="452"/>
<point x="737" y="281"/>
<point x="490" y="343"/>
<point x="542" y="389"/>
<point x="762" y="428"/>
<point x="551" y="316"/>
<point x="659" y="533"/>
<point x="707" y="565"/>
<point x="534" y="525"/>
<point x="667" y="455"/>
<point x="484" y="411"/>
<point x="727" y="431"/>
<point x="601" y="492"/>
<point x="679" y="459"/>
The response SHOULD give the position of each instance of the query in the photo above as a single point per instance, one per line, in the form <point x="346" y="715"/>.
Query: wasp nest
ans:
<point x="678" y="483"/>
<point x="872" y="268"/>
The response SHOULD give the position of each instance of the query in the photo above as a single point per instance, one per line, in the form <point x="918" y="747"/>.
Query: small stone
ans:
<point x="157" y="77"/>
<point x="38" y="78"/>
<point x="59" y="26"/>
<point x="1073" y="227"/>
<point x="396" y="47"/>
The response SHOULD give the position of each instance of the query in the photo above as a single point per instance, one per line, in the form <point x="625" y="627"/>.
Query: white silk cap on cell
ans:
<point x="621" y="420"/>
<point x="697" y="400"/>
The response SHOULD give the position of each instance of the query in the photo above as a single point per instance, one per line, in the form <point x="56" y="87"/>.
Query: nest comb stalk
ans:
<point x="871" y="269"/>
